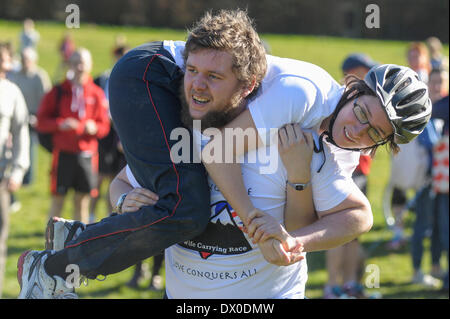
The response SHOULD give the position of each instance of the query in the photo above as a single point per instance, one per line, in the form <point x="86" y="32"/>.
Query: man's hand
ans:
<point x="68" y="124"/>
<point x="90" y="127"/>
<point x="262" y="226"/>
<point x="281" y="255"/>
<point x="13" y="186"/>
<point x="32" y="120"/>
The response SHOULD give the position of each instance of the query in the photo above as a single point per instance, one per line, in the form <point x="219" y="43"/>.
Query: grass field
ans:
<point x="27" y="225"/>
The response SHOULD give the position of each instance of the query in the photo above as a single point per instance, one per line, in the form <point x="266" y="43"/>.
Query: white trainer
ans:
<point x="34" y="281"/>
<point x="425" y="280"/>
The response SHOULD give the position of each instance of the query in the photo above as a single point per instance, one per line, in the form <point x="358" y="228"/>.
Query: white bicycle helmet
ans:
<point x="404" y="97"/>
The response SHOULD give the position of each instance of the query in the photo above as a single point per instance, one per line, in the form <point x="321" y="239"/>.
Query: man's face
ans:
<point x="81" y="64"/>
<point x="212" y="92"/>
<point x="349" y="132"/>
<point x="27" y="61"/>
<point x="437" y="86"/>
<point x="5" y="61"/>
<point x="416" y="60"/>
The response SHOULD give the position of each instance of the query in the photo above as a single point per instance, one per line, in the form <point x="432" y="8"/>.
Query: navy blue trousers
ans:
<point x="145" y="108"/>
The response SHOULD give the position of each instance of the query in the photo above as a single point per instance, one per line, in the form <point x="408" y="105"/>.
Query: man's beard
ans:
<point x="214" y="118"/>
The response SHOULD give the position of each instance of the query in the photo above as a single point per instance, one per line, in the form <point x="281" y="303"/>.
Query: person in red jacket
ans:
<point x="75" y="112"/>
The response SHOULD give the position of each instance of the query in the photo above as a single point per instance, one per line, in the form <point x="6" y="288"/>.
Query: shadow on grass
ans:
<point x="106" y="292"/>
<point x="410" y="291"/>
<point x="26" y="235"/>
<point x="99" y="293"/>
<point x="17" y="250"/>
<point x="378" y="248"/>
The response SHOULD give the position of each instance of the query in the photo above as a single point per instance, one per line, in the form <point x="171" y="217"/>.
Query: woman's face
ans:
<point x="361" y="123"/>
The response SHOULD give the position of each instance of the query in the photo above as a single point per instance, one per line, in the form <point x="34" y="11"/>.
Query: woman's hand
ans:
<point x="296" y="149"/>
<point x="137" y="198"/>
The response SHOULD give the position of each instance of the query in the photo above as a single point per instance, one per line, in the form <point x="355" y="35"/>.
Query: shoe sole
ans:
<point x="50" y="233"/>
<point x="56" y="228"/>
<point x="20" y="263"/>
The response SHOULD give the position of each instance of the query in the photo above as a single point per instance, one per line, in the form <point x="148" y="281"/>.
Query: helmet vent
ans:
<point x="412" y="97"/>
<point x="403" y="85"/>
<point x="392" y="72"/>
<point x="391" y="79"/>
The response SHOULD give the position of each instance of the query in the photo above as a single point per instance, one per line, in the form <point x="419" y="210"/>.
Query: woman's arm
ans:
<point x="228" y="176"/>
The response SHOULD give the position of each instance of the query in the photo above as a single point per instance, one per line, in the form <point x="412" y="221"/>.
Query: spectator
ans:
<point x="426" y="213"/>
<point x="345" y="263"/>
<point x="410" y="158"/>
<point x="14" y="123"/>
<point x="66" y="49"/>
<point x="358" y="64"/>
<point x="425" y="221"/>
<point x="437" y="59"/>
<point x="76" y="113"/>
<point x="438" y="84"/>
<point x="111" y="158"/>
<point x="155" y="279"/>
<point x="440" y="181"/>
<point x="29" y="37"/>
<point x="34" y="82"/>
<point x="419" y="60"/>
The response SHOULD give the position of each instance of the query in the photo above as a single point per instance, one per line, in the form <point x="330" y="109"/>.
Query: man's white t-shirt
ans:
<point x="223" y="262"/>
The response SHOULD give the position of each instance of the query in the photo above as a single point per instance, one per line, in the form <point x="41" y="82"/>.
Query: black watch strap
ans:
<point x="298" y="186"/>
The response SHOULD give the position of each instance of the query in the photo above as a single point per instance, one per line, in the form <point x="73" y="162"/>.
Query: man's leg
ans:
<point x="351" y="261"/>
<point x="60" y="180"/>
<point x="334" y="263"/>
<point x="443" y="214"/>
<point x="4" y="228"/>
<point x="145" y="109"/>
<point x="435" y="246"/>
<point x="422" y="223"/>
<point x="56" y="205"/>
<point x="81" y="206"/>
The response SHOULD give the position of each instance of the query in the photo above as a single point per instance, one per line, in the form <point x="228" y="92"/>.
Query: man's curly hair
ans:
<point x="231" y="31"/>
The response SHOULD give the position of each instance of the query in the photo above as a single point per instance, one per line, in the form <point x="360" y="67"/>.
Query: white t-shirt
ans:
<point x="223" y="262"/>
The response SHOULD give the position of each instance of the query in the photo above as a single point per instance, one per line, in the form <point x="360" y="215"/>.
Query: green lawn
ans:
<point x="27" y="225"/>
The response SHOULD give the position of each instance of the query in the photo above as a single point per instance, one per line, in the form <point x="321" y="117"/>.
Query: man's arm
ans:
<point x="20" y="142"/>
<point x="338" y="225"/>
<point x="46" y="121"/>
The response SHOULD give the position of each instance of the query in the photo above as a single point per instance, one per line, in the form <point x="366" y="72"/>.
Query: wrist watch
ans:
<point x="119" y="204"/>
<point x="298" y="186"/>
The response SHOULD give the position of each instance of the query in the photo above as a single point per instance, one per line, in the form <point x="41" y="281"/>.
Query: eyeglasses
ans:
<point x="362" y="118"/>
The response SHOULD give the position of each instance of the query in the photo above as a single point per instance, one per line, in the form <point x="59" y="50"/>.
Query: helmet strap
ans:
<point x="329" y="132"/>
